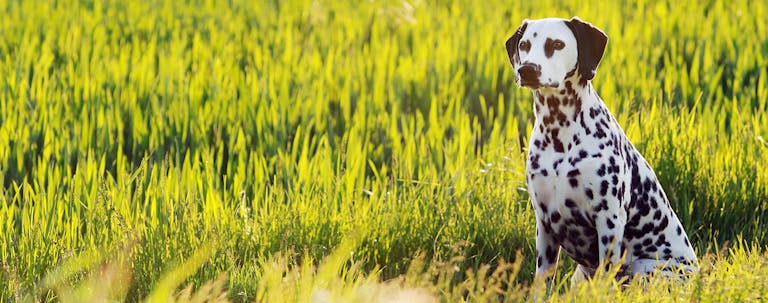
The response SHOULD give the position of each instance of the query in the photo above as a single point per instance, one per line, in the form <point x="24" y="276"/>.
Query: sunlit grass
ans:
<point x="222" y="146"/>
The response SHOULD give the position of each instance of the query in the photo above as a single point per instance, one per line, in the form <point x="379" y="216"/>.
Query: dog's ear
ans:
<point x="591" y="43"/>
<point x="513" y="41"/>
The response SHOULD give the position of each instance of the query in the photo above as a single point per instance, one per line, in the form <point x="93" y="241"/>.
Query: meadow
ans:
<point x="352" y="151"/>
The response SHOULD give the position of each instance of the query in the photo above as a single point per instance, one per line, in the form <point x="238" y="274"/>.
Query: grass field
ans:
<point x="331" y="151"/>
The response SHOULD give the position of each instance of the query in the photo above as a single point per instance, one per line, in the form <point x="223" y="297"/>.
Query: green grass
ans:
<point x="232" y="146"/>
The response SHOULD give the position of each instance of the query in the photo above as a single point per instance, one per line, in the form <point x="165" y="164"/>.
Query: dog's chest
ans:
<point x="568" y="184"/>
<point x="575" y="174"/>
<point x="565" y="199"/>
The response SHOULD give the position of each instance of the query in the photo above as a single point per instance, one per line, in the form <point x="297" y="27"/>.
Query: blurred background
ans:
<point x="150" y="132"/>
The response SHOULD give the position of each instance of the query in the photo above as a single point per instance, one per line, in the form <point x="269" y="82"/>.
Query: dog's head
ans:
<point x="545" y="52"/>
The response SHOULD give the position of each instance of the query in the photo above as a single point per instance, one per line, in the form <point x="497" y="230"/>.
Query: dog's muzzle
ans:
<point x="529" y="75"/>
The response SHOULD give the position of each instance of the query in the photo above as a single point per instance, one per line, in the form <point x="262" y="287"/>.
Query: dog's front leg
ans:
<point x="610" y="221"/>
<point x="547" y="253"/>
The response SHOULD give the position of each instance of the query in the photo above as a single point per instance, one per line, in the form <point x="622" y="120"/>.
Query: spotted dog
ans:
<point x="594" y="195"/>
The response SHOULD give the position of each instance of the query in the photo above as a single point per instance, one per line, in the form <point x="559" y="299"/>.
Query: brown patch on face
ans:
<point x="525" y="46"/>
<point x="550" y="46"/>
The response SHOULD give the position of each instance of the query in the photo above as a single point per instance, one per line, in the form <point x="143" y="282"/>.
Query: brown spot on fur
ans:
<point x="550" y="46"/>
<point x="556" y="141"/>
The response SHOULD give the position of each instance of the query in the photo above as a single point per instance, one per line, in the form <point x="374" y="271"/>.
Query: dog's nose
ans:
<point x="529" y="72"/>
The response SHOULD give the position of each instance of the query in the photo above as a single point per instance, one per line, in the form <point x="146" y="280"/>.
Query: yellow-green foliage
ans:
<point x="231" y="146"/>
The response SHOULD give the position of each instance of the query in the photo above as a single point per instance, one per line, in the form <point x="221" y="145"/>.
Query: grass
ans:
<point x="308" y="150"/>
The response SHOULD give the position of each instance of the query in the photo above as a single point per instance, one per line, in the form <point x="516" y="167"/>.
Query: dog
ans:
<point x="593" y="193"/>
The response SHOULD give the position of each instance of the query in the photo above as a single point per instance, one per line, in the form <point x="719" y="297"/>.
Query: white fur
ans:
<point x="553" y="69"/>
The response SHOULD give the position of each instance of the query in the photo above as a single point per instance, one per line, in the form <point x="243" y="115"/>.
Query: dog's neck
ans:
<point x="560" y="107"/>
<point x="559" y="118"/>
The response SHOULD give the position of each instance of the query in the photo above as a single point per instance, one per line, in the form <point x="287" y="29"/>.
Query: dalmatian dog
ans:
<point x="594" y="195"/>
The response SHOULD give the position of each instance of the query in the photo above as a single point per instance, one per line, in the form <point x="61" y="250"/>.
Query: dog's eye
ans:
<point x="558" y="45"/>
<point x="525" y="46"/>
